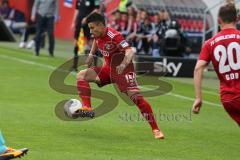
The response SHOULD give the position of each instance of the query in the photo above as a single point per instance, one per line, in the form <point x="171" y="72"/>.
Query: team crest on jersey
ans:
<point x="124" y="44"/>
<point x="110" y="46"/>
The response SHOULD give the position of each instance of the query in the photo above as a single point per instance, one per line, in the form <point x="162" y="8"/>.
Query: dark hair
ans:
<point x="95" y="17"/>
<point x="228" y="13"/>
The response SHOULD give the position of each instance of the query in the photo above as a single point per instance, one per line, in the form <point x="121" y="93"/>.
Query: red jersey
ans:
<point x="224" y="51"/>
<point x="112" y="46"/>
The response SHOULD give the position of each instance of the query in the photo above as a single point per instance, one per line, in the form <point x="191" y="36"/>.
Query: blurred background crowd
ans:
<point x="155" y="28"/>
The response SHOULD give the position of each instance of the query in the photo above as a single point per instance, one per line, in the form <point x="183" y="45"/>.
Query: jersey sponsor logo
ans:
<point x="104" y="53"/>
<point x="124" y="44"/>
<point x="167" y="66"/>
<point x="228" y="36"/>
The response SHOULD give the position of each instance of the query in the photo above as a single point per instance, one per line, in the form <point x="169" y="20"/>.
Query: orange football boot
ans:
<point x="13" y="153"/>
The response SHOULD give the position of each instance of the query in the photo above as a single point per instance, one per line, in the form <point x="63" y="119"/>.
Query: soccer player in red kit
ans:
<point x="224" y="51"/>
<point x="118" y="68"/>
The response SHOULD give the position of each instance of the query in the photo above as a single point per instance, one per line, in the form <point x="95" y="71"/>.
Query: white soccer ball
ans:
<point x="71" y="107"/>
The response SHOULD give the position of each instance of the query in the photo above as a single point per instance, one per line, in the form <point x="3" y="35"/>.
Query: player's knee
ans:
<point x="137" y="98"/>
<point x="81" y="75"/>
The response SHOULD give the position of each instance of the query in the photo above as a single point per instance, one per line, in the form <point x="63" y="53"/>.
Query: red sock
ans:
<point x="84" y="92"/>
<point x="145" y="109"/>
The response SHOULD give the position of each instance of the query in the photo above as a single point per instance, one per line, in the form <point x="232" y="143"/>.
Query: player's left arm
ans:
<point x="129" y="54"/>
<point x="198" y="74"/>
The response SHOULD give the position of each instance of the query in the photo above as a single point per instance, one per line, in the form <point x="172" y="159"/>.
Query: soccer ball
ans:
<point x="72" y="107"/>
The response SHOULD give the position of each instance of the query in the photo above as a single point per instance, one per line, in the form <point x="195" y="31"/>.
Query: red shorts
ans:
<point x="233" y="109"/>
<point x="125" y="81"/>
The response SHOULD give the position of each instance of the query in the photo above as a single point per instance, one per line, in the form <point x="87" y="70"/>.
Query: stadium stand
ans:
<point x="188" y="13"/>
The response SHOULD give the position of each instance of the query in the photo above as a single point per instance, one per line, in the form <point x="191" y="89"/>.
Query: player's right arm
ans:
<point x="202" y="63"/>
<point x="198" y="74"/>
<point x="93" y="50"/>
<point x="129" y="54"/>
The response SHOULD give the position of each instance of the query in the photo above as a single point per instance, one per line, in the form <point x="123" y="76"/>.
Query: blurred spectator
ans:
<point x="161" y="22"/>
<point x="83" y="9"/>
<point x="132" y="23"/>
<point x="138" y="16"/>
<point x="145" y="33"/>
<point x="115" y="20"/>
<point x="157" y="36"/>
<point x="30" y="29"/>
<point x="164" y="22"/>
<point x="45" y="13"/>
<point x="124" y="24"/>
<point x="13" y="19"/>
<point x="5" y="10"/>
<point x="166" y="18"/>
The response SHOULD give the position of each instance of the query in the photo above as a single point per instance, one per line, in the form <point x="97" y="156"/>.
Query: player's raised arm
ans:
<point x="198" y="72"/>
<point x="93" y="50"/>
<point x="129" y="54"/>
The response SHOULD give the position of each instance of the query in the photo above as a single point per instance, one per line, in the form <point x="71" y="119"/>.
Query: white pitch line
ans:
<point x="32" y="63"/>
<point x="209" y="92"/>
<point x="53" y="68"/>
<point x="192" y="99"/>
<point x="204" y="91"/>
<point x="28" y="62"/>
